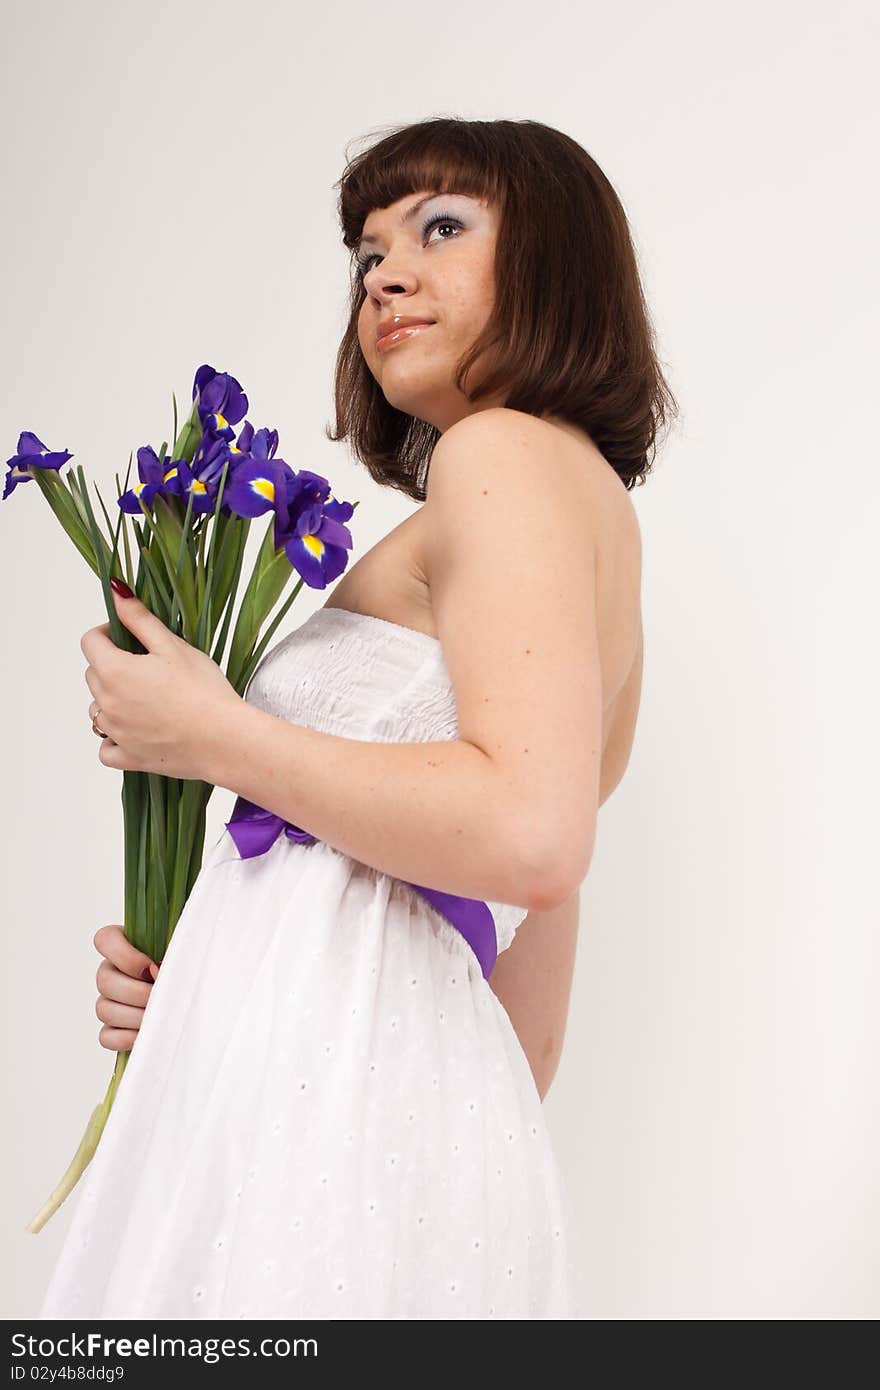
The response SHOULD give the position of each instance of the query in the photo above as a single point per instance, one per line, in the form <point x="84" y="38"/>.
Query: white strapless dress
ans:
<point x="327" y="1112"/>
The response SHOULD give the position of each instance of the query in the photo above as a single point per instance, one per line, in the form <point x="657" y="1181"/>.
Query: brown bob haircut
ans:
<point x="564" y="258"/>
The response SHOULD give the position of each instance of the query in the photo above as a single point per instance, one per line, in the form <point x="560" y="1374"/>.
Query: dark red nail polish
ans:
<point x="121" y="587"/>
<point x="145" y="975"/>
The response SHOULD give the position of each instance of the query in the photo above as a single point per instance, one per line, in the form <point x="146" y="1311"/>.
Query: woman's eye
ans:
<point x="440" y="219"/>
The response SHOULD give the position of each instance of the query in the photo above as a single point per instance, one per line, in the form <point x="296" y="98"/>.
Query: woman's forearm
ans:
<point x="435" y="814"/>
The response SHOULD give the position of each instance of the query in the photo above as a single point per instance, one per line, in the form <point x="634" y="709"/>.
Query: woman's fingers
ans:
<point x="125" y="978"/>
<point x="112" y="942"/>
<point x="115" y="985"/>
<point x="118" y="1039"/>
<point x="118" y="1015"/>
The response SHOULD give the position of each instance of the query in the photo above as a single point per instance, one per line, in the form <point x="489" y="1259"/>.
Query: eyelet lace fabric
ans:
<point x="327" y="1112"/>
<point x="363" y="677"/>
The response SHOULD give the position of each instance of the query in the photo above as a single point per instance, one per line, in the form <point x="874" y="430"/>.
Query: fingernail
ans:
<point x="154" y="969"/>
<point x="121" y="588"/>
<point x="146" y="974"/>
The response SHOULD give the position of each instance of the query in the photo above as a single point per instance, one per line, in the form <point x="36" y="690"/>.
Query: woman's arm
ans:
<point x="438" y="814"/>
<point x="507" y="810"/>
<point x="532" y="980"/>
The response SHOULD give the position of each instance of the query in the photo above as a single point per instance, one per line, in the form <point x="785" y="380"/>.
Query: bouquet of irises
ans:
<point x="195" y="507"/>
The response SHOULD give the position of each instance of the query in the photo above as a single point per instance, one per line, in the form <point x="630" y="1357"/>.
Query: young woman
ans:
<point x="333" y="1108"/>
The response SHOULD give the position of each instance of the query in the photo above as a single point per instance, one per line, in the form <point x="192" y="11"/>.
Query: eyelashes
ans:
<point x="363" y="262"/>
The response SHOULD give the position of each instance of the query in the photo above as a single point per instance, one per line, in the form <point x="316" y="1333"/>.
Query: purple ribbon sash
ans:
<point x="254" y="830"/>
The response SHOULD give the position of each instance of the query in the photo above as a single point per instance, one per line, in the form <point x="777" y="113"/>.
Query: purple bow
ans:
<point x="254" y="830"/>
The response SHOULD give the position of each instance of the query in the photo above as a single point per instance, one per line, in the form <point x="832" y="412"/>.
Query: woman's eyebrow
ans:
<point x="407" y="217"/>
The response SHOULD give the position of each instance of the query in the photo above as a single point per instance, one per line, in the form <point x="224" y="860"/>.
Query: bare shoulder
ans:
<point x="561" y="450"/>
<point x="495" y="430"/>
<point x="502" y="450"/>
<point x="514" y="467"/>
<point x="552" y="454"/>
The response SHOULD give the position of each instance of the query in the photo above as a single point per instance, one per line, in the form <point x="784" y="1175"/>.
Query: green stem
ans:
<point x="85" y="1152"/>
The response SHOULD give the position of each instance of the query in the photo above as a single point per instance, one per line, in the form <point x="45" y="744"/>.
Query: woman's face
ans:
<point x="437" y="264"/>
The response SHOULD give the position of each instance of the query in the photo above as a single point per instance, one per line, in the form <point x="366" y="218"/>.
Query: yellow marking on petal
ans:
<point x="314" y="544"/>
<point x="224" y="424"/>
<point x="138" y="488"/>
<point x="172" y="473"/>
<point x="265" y="487"/>
<point x="198" y="486"/>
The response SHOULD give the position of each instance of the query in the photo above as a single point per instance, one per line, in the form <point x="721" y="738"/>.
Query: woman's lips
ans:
<point x="400" y="335"/>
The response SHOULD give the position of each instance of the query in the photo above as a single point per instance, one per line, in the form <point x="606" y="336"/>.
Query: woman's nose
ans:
<point x="391" y="277"/>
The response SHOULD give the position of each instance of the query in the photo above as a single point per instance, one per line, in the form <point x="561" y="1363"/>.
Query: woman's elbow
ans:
<point x="555" y="886"/>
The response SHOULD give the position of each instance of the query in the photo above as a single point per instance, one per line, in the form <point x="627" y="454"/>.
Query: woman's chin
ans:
<point x="409" y="394"/>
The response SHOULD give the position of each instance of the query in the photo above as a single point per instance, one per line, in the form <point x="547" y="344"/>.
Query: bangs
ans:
<point x="415" y="160"/>
<point x="569" y="334"/>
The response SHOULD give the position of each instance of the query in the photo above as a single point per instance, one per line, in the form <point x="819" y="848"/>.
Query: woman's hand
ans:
<point x="164" y="710"/>
<point x="125" y="979"/>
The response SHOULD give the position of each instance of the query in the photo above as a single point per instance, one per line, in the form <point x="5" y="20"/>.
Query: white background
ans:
<point x="168" y="173"/>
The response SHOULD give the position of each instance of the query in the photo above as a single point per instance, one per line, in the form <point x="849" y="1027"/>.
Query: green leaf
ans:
<point x="140" y="937"/>
<point x="77" y="500"/>
<point x="185" y="584"/>
<point x="172" y="538"/>
<point x="186" y="443"/>
<point x="219" y="526"/>
<point x="120" y="634"/>
<point x="129" y="572"/>
<point x="172" y="812"/>
<point x="133" y="813"/>
<point x="175" y="601"/>
<point x="157" y="859"/>
<point x="240" y="534"/>
<point x="165" y="600"/>
<point x="248" y="624"/>
<point x="67" y="514"/>
<point x="267" y="637"/>
<point x="115" y="556"/>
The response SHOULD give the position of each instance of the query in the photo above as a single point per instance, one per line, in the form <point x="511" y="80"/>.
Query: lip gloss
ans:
<point x="399" y="335"/>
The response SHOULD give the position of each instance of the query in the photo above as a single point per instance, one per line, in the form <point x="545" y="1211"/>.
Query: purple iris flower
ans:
<point x="309" y="525"/>
<point x="317" y="548"/>
<point x="210" y="457"/>
<point x="215" y="451"/>
<point x="154" y="477"/>
<point x="32" y="453"/>
<point x="204" y="490"/>
<point x="254" y="486"/>
<point x="222" y="402"/>
<point x="302" y="490"/>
